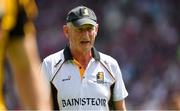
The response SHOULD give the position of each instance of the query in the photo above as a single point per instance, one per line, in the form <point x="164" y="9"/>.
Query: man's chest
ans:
<point x="96" y="82"/>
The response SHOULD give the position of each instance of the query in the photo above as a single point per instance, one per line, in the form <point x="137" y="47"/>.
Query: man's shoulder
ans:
<point x="55" y="56"/>
<point x="107" y="58"/>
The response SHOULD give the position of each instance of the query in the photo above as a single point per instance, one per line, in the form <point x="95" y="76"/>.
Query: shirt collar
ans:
<point x="68" y="55"/>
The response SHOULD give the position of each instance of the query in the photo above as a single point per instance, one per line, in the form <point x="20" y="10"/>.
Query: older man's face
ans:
<point x="82" y="38"/>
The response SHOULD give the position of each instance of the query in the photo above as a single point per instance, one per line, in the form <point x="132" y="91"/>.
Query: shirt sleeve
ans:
<point x="119" y="91"/>
<point x="45" y="70"/>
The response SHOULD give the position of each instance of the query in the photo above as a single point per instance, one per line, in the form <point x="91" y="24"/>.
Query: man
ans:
<point x="16" y="22"/>
<point x="81" y="77"/>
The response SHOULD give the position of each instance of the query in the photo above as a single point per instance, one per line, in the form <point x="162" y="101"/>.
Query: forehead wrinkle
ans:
<point x="86" y="26"/>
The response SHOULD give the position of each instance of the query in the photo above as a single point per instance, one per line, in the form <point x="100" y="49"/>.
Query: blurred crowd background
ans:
<point x="143" y="36"/>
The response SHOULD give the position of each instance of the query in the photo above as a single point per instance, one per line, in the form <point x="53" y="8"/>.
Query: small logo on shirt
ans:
<point x="100" y="77"/>
<point x="66" y="79"/>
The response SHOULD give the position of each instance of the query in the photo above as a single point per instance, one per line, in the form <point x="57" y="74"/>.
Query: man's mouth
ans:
<point x="84" y="42"/>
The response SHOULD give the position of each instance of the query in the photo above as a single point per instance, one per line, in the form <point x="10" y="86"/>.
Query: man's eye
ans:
<point x="89" y="28"/>
<point x="85" y="29"/>
<point x="79" y="30"/>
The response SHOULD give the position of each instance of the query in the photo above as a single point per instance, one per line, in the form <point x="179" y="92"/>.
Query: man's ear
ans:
<point x="97" y="28"/>
<point x="66" y="31"/>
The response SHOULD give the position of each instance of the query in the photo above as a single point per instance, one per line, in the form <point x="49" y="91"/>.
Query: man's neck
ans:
<point x="82" y="57"/>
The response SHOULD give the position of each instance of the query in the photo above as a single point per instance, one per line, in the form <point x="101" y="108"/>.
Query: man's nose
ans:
<point x="85" y="32"/>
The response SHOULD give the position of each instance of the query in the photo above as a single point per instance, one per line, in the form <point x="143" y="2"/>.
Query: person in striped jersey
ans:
<point x="18" y="43"/>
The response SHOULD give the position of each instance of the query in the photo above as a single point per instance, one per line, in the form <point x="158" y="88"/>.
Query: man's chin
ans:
<point x="86" y="50"/>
